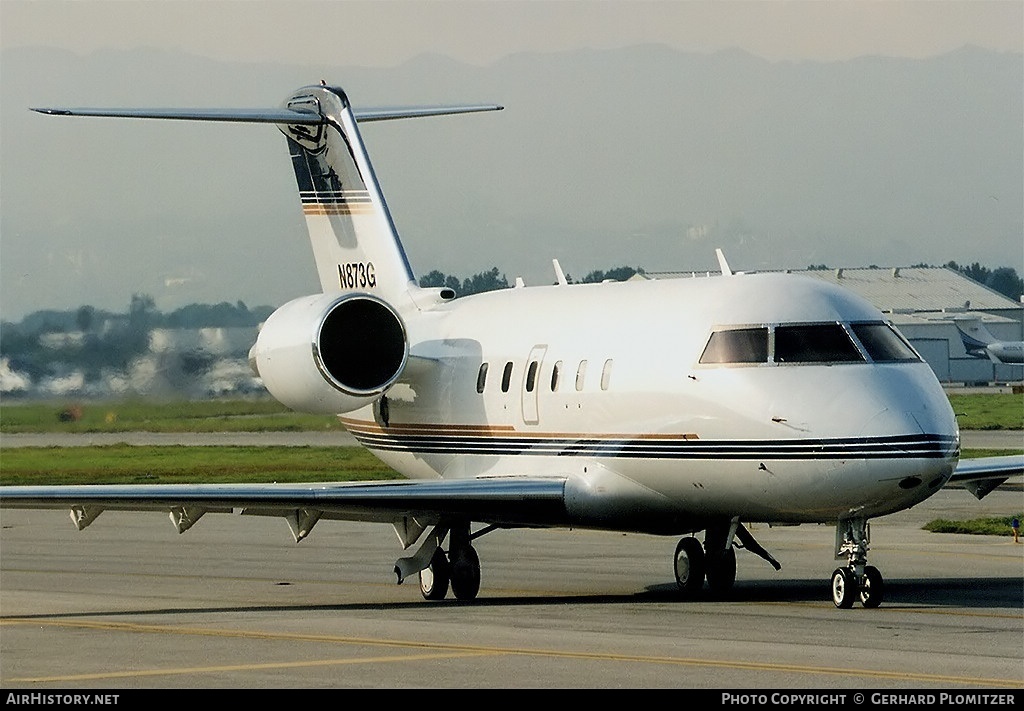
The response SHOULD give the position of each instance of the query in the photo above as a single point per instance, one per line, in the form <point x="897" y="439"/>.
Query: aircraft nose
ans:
<point x="917" y="432"/>
<point x="909" y="400"/>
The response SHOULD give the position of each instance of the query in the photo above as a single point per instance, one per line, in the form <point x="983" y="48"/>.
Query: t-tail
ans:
<point x="980" y="343"/>
<point x="974" y="336"/>
<point x="355" y="243"/>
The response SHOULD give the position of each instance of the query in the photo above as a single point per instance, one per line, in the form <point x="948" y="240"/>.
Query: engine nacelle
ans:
<point x="329" y="354"/>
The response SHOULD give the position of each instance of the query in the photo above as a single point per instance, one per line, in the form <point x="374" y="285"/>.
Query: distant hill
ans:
<point x="642" y="155"/>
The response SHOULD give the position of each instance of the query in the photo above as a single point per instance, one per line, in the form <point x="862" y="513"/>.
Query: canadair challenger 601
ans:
<point x="674" y="407"/>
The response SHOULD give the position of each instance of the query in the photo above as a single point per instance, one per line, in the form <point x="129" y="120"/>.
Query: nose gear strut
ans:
<point x="857" y="579"/>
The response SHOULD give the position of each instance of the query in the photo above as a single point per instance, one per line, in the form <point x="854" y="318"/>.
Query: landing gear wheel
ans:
<point x="844" y="588"/>
<point x="434" y="578"/>
<point x="465" y="573"/>
<point x="872" y="587"/>
<point x="721" y="571"/>
<point x="689" y="566"/>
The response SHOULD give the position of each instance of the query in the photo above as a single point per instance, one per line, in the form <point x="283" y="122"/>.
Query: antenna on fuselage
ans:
<point x="559" y="274"/>
<point x="726" y="271"/>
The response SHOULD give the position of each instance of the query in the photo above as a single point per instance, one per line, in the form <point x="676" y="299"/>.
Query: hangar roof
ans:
<point x="905" y="289"/>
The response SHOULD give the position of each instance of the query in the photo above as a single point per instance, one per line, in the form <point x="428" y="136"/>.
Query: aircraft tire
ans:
<point x="872" y="587"/>
<point x="844" y="588"/>
<point x="689" y="566"/>
<point x="721" y="571"/>
<point x="434" y="579"/>
<point x="465" y="573"/>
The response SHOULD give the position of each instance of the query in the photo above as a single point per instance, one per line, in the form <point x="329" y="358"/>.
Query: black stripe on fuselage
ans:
<point x="893" y="447"/>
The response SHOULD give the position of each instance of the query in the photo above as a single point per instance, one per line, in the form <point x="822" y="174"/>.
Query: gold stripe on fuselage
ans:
<point x="369" y="427"/>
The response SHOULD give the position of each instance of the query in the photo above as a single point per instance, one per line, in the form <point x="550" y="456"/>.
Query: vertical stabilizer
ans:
<point x="355" y="243"/>
<point x="974" y="336"/>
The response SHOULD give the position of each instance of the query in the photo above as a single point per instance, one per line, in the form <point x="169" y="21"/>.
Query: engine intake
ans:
<point x="328" y="354"/>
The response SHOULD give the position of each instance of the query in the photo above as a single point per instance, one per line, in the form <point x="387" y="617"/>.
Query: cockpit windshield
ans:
<point x="822" y="343"/>
<point x="741" y="345"/>
<point x="883" y="343"/>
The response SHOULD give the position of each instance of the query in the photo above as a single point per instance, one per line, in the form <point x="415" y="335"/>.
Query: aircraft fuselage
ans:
<point x="664" y="443"/>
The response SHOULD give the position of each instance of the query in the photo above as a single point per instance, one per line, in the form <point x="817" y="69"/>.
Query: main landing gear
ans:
<point x="715" y="561"/>
<point x="857" y="580"/>
<point x="459" y="568"/>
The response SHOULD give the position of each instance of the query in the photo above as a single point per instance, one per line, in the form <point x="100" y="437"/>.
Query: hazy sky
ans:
<point x="304" y="35"/>
<point x="385" y="33"/>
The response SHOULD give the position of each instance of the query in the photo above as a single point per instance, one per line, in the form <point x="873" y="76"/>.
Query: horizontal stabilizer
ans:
<point x="286" y="116"/>
<point x="400" y="112"/>
<point x="278" y="115"/>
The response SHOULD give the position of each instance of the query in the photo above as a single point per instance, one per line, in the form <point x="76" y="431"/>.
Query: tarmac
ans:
<point x="234" y="603"/>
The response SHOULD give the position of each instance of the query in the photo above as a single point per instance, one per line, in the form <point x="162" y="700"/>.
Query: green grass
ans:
<point x="260" y="415"/>
<point x="988" y="411"/>
<point x="127" y="464"/>
<point x="999" y="526"/>
<point x="995" y="411"/>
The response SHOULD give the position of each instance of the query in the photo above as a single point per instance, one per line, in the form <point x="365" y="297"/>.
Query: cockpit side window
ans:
<point x="741" y="345"/>
<point x="821" y="343"/>
<point x="883" y="343"/>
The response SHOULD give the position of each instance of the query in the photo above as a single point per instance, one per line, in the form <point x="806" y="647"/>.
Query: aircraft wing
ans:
<point x="980" y="476"/>
<point x="507" y="501"/>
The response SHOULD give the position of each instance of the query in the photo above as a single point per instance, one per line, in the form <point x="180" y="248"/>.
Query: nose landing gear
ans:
<point x="857" y="580"/>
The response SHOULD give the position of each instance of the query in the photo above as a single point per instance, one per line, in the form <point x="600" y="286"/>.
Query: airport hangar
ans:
<point x="923" y="302"/>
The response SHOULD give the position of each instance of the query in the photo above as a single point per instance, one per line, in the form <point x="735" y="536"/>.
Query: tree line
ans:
<point x="107" y="340"/>
<point x="1002" y="279"/>
<point x="111" y="340"/>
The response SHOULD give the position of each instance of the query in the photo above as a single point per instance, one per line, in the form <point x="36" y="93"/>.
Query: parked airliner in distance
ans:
<point x="673" y="407"/>
<point x="979" y="343"/>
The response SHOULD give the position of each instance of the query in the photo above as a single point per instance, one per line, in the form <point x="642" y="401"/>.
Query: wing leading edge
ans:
<point x="507" y="501"/>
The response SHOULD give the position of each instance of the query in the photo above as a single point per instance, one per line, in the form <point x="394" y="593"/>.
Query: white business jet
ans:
<point x="674" y="407"/>
<point x="978" y="342"/>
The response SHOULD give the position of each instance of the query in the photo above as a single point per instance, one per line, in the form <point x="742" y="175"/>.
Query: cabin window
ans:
<point x="581" y="374"/>
<point x="481" y="378"/>
<point x="821" y="343"/>
<point x="740" y="345"/>
<point x="531" y="376"/>
<point x="555" y="372"/>
<point x="883" y="343"/>
<point x="606" y="374"/>
<point x="506" y="377"/>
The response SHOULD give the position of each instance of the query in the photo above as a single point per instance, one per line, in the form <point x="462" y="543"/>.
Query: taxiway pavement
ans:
<point x="235" y="603"/>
